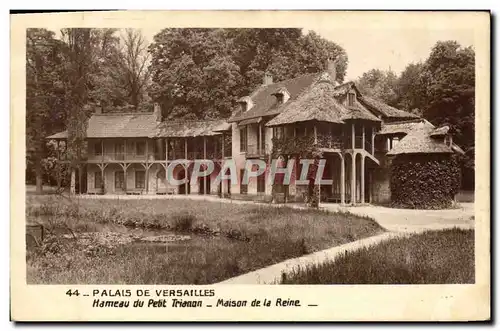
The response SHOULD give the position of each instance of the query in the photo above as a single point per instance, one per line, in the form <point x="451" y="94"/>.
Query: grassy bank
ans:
<point x="433" y="257"/>
<point x="227" y="239"/>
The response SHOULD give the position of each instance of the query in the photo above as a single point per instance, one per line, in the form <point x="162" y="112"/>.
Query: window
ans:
<point x="140" y="148"/>
<point x="351" y="99"/>
<point x="140" y="179"/>
<point x="394" y="142"/>
<point x="98" y="179"/>
<point x="119" y="150"/>
<point x="447" y="140"/>
<point x="98" y="148"/>
<point x="119" y="180"/>
<point x="280" y="97"/>
<point x="243" y="139"/>
<point x="243" y="187"/>
<point x="244" y="106"/>
<point x="278" y="132"/>
<point x="300" y="131"/>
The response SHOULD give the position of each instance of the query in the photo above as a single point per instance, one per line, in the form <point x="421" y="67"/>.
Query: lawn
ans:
<point x="224" y="239"/>
<point x="433" y="257"/>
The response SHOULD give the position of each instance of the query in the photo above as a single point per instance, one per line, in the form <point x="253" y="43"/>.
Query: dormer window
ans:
<point x="448" y="140"/>
<point x="281" y="95"/>
<point x="351" y="99"/>
<point x="279" y="98"/>
<point x="245" y="103"/>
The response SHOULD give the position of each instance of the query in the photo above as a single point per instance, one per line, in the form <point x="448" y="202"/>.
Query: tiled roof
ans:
<point x="190" y="128"/>
<point x="318" y="102"/>
<point x="398" y="127"/>
<point x="265" y="103"/>
<point x="121" y="125"/>
<point x="114" y="125"/>
<point x="384" y="109"/>
<point x="441" y="131"/>
<point x="145" y="125"/>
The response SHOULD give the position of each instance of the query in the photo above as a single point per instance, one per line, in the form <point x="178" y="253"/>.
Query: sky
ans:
<point x="382" y="48"/>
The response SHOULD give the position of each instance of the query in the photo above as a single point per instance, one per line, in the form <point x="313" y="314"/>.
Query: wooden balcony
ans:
<point x="125" y="158"/>
<point x="330" y="142"/>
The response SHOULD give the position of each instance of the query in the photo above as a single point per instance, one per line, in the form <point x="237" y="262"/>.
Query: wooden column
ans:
<point x="373" y="141"/>
<point x="260" y="139"/>
<point x="186" y="166"/>
<point x="353" y="179"/>
<point x="362" y="178"/>
<point x="72" y="189"/>
<point x="363" y="137"/>
<point x="102" y="150"/>
<point x="342" y="179"/>
<point x="315" y="135"/>
<point x="125" y="167"/>
<point x="353" y="134"/>
<point x="205" y="157"/>
<point x="166" y="153"/>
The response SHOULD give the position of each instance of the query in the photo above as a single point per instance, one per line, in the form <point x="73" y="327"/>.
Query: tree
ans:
<point x="200" y="73"/>
<point x="410" y="89"/>
<point x="134" y="66"/>
<point x="44" y="97"/>
<point x="441" y="89"/>
<point x="449" y="80"/>
<point x="379" y="84"/>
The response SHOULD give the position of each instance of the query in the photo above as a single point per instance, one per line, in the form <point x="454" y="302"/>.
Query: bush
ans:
<point x="424" y="181"/>
<point x="183" y="222"/>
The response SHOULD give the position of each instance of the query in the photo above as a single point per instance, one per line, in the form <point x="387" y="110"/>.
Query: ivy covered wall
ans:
<point x="424" y="181"/>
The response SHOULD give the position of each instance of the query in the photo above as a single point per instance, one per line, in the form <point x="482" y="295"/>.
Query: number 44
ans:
<point x="70" y="293"/>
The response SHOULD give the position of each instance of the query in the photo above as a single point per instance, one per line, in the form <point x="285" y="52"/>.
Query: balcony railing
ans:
<point x="329" y="141"/>
<point x="110" y="157"/>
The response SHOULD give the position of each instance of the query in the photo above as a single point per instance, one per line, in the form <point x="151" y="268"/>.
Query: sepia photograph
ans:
<point x="266" y="155"/>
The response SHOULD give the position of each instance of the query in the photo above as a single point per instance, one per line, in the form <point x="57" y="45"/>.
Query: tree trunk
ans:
<point x="39" y="176"/>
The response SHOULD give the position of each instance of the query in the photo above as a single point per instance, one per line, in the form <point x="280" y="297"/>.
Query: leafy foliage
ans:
<point x="441" y="89"/>
<point x="200" y="73"/>
<point x="44" y="97"/>
<point x="424" y="181"/>
<point x="379" y="84"/>
<point x="302" y="147"/>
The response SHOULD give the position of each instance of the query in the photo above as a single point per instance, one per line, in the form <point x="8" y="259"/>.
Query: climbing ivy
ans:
<point x="424" y="181"/>
<point x="299" y="148"/>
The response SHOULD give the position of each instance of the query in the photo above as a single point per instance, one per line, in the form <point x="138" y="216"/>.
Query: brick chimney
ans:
<point x="157" y="111"/>
<point x="331" y="68"/>
<point x="98" y="109"/>
<point x="268" y="79"/>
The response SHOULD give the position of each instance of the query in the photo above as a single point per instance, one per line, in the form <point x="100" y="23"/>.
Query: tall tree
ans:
<point x="410" y="89"/>
<point x="379" y="84"/>
<point x="134" y="65"/>
<point x="449" y="80"/>
<point x="44" y="96"/>
<point x="199" y="73"/>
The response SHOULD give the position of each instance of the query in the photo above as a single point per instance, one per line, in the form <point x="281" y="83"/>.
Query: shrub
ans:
<point x="183" y="222"/>
<point x="424" y="181"/>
